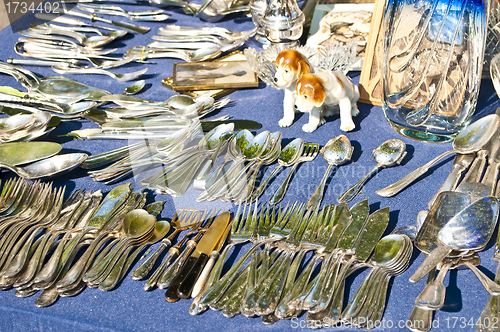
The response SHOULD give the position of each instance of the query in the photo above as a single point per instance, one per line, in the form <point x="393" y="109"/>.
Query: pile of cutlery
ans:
<point x="271" y="285"/>
<point x="191" y="44"/>
<point x="41" y="234"/>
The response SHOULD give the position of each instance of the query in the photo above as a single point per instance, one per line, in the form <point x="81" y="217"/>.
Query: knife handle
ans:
<point x="171" y="293"/>
<point x="187" y="284"/>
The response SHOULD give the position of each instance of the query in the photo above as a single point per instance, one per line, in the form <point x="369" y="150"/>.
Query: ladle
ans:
<point x="49" y="167"/>
<point x="336" y="152"/>
<point x="471" y="139"/>
<point x="389" y="153"/>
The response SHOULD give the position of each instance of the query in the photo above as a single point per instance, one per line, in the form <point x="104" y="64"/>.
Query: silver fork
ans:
<point x="217" y="289"/>
<point x="310" y="152"/>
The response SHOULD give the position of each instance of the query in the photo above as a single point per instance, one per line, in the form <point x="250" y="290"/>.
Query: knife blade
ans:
<point x="493" y="147"/>
<point x="120" y="24"/>
<point x="190" y="270"/>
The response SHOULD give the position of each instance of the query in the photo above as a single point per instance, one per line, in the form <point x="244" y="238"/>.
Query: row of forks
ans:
<point x="272" y="285"/>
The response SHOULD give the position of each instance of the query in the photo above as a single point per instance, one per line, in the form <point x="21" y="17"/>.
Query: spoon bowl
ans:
<point x="48" y="168"/>
<point x="388" y="154"/>
<point x="337" y="151"/>
<point x="16" y="122"/>
<point x="135" y="88"/>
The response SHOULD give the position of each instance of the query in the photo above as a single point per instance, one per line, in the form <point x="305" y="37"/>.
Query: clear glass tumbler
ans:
<point x="432" y="63"/>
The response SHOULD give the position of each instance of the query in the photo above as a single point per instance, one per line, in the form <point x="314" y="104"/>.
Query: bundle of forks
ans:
<point x="273" y="285"/>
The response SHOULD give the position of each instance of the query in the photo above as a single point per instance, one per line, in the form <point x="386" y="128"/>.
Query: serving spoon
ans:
<point x="471" y="139"/>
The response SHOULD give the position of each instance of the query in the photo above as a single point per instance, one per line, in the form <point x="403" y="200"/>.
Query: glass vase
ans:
<point x="432" y="63"/>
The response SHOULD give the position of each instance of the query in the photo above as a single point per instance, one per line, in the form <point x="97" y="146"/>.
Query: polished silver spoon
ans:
<point x="336" y="152"/>
<point x="389" y="153"/>
<point x="471" y="139"/>
<point x="49" y="167"/>
<point x="135" y="88"/>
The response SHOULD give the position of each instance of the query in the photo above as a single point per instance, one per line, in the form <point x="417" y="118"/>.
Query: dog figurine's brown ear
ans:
<point x="304" y="68"/>
<point x="309" y="87"/>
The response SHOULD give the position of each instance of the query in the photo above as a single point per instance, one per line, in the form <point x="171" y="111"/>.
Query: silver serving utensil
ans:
<point x="467" y="231"/>
<point x="49" y="167"/>
<point x="290" y="153"/>
<point x="336" y="152"/>
<point x="471" y="139"/>
<point x="68" y="21"/>
<point x="93" y="18"/>
<point x="388" y="154"/>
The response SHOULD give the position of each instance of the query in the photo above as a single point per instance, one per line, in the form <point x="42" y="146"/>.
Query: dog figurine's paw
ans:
<point x="354" y="111"/>
<point x="285" y="122"/>
<point x="347" y="125"/>
<point x="309" y="128"/>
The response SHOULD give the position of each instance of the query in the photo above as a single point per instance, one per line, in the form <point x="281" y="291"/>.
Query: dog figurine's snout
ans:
<point x="276" y="79"/>
<point x="296" y="107"/>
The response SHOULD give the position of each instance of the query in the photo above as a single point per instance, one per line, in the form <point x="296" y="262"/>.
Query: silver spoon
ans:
<point x="49" y="167"/>
<point x="389" y="153"/>
<point x="336" y="152"/>
<point x="135" y="88"/>
<point x="469" y="230"/>
<point x="290" y="153"/>
<point x="471" y="139"/>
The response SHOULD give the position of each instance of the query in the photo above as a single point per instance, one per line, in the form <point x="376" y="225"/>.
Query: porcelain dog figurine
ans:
<point x="291" y="65"/>
<point x="316" y="93"/>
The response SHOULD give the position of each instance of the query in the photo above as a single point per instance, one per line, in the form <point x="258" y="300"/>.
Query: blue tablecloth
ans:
<point x="129" y="308"/>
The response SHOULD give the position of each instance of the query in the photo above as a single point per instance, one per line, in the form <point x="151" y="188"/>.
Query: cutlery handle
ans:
<point x="430" y="262"/>
<point x="317" y="196"/>
<point x="280" y="192"/>
<point x="492" y="287"/>
<point x="476" y="169"/>
<point x="171" y="295"/>
<point x="354" y="190"/>
<point x="491" y="175"/>
<point x="396" y="187"/>
<point x="133" y="27"/>
<point x="187" y="284"/>
<point x="450" y="183"/>
<point x="172" y="271"/>
<point x="203" y="278"/>
<point x="421" y="319"/>
<point x="148" y="264"/>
